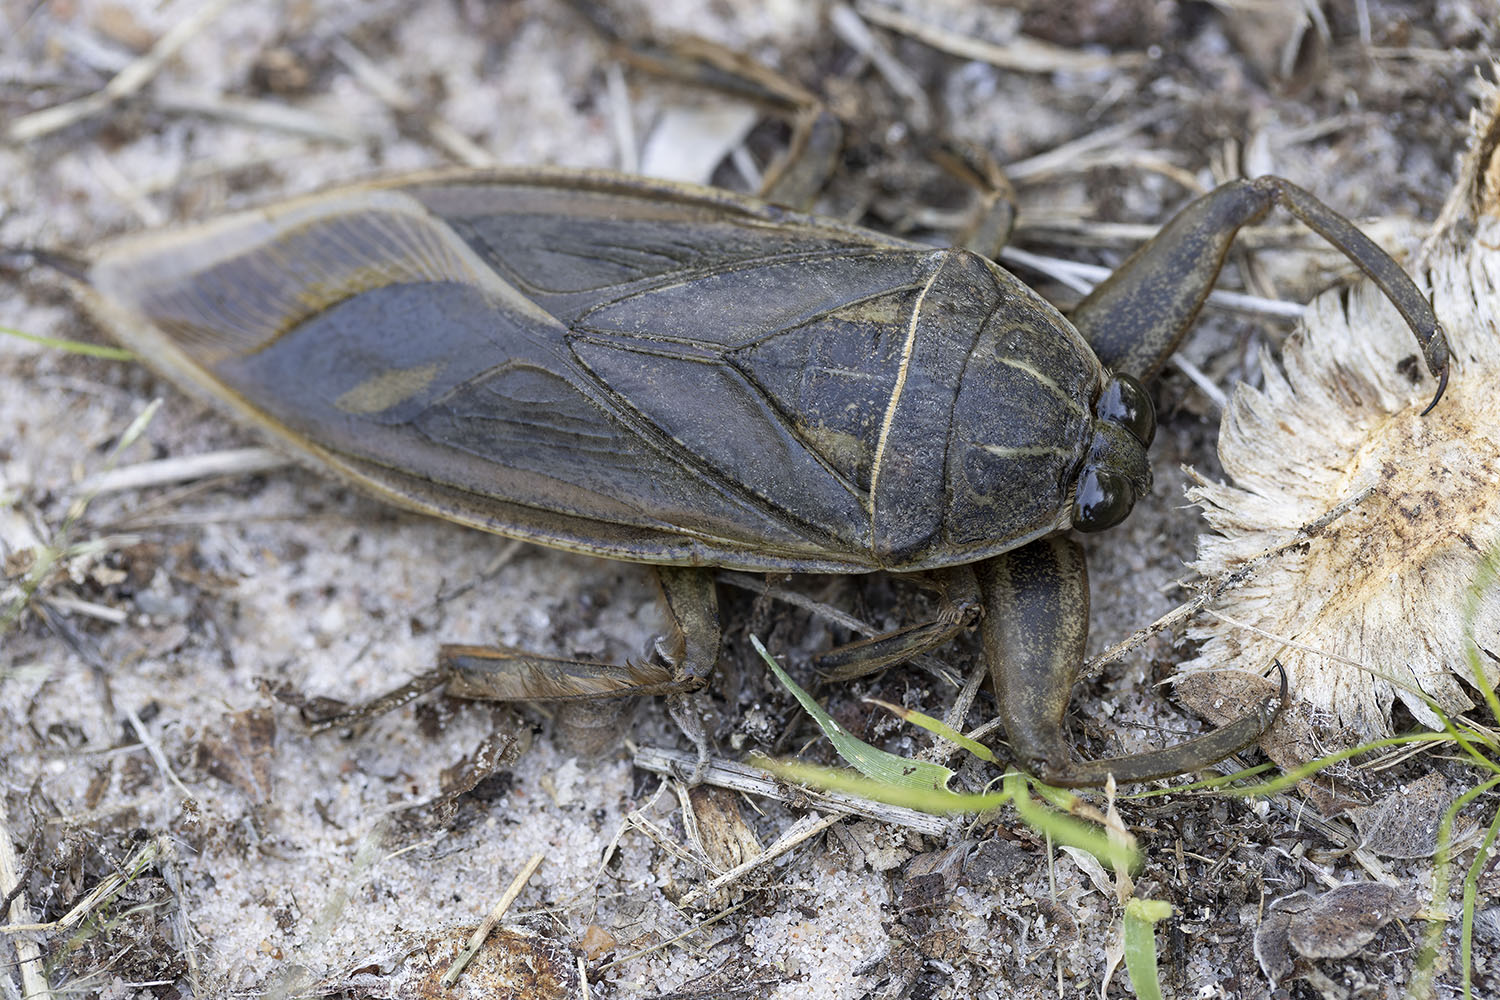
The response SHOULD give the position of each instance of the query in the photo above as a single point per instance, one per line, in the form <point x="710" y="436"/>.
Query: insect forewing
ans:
<point x="622" y="368"/>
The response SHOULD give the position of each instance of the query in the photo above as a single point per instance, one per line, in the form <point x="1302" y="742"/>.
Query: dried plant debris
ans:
<point x="929" y="879"/>
<point x="238" y="750"/>
<point x="1389" y="603"/>
<point x="513" y="964"/>
<point x="1343" y="920"/>
<point x="1336" y="924"/>
<point x="1405" y="823"/>
<point x="345" y="863"/>
<point x="718" y="829"/>
<point x="487" y="762"/>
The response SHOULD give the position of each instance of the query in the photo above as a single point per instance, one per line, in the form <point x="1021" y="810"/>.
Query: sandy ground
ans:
<point x="135" y="690"/>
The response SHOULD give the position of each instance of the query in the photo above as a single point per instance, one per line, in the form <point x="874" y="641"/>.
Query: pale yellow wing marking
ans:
<point x="1002" y="451"/>
<point x="890" y="409"/>
<point x="381" y="392"/>
<point x="1046" y="383"/>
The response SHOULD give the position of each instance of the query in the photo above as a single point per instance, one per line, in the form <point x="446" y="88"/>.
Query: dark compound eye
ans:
<point x="1125" y="402"/>
<point x="1103" y="500"/>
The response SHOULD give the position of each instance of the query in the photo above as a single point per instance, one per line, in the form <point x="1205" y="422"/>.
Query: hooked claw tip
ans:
<point x="1270" y="708"/>
<point x="1282" y="671"/>
<point x="1442" y="386"/>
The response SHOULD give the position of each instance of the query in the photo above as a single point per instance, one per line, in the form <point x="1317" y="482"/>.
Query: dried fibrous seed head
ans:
<point x="1389" y="602"/>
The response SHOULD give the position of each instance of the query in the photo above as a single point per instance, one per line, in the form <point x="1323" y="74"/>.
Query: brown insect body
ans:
<point x="684" y="377"/>
<point x="636" y="370"/>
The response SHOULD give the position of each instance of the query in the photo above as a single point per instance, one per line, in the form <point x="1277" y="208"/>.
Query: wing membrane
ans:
<point x="430" y="342"/>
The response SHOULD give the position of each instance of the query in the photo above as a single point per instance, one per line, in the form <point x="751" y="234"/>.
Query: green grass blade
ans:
<point x="1141" y="916"/>
<point x="1067" y="831"/>
<point x="1471" y="886"/>
<point x="1487" y="579"/>
<point x="1290" y="779"/>
<point x="937" y="727"/>
<point x="938" y="801"/>
<point x="72" y="346"/>
<point x="894" y="770"/>
<point x="1425" y="970"/>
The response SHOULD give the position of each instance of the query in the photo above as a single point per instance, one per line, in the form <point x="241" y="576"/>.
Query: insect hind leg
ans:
<point x="678" y="665"/>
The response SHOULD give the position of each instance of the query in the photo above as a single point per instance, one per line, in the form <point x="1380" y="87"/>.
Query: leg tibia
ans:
<point x="1135" y="319"/>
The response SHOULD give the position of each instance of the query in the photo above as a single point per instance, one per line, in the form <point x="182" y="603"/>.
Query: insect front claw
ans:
<point x="1439" y="360"/>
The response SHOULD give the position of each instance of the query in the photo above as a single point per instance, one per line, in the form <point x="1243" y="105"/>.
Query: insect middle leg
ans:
<point x="992" y="215"/>
<point x="959" y="612"/>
